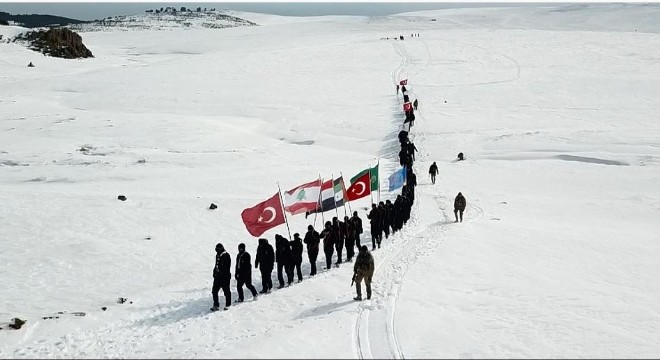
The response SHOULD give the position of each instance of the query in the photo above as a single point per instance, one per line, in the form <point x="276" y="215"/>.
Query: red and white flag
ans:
<point x="407" y="107"/>
<point x="263" y="216"/>
<point x="403" y="82"/>
<point x="303" y="198"/>
<point x="360" y="188"/>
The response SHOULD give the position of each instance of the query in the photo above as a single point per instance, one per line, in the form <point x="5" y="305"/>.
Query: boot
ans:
<point x="358" y="298"/>
<point x="238" y="301"/>
<point x="215" y="308"/>
<point x="263" y="291"/>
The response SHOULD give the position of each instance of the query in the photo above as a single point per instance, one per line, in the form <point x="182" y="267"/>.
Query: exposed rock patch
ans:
<point x="57" y="42"/>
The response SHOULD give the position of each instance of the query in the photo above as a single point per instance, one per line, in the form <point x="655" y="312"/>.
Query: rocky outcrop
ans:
<point x="167" y="19"/>
<point x="57" y="42"/>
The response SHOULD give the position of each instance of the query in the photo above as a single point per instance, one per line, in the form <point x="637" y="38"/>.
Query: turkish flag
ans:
<point x="407" y="107"/>
<point x="263" y="216"/>
<point x="403" y="82"/>
<point x="360" y="188"/>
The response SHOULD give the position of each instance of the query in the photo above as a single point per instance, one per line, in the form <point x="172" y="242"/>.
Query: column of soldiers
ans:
<point x="287" y="257"/>
<point x="385" y="218"/>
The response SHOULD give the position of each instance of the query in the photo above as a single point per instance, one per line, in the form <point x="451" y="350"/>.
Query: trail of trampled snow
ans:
<point x="556" y="256"/>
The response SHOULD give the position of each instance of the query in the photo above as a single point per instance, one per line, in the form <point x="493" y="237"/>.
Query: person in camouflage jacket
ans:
<point x="363" y="269"/>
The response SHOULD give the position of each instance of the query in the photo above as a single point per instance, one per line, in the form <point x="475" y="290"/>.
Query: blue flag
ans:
<point x="397" y="179"/>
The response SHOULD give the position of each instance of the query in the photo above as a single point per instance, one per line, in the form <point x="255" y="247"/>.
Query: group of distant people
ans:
<point x="400" y="37"/>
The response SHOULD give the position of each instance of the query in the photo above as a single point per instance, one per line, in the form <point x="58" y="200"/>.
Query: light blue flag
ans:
<point x="397" y="179"/>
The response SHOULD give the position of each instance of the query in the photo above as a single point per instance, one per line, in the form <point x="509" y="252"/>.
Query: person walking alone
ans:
<point x="459" y="206"/>
<point x="363" y="270"/>
<point x="433" y="171"/>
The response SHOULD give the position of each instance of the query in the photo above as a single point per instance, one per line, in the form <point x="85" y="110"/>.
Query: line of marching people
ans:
<point x="385" y="218"/>
<point x="287" y="257"/>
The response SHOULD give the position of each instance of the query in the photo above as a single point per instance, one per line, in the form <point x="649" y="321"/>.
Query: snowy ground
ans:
<point x="557" y="256"/>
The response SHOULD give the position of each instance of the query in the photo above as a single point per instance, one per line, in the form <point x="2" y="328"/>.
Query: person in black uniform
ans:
<point x="221" y="277"/>
<point x="312" y="239"/>
<point x="265" y="261"/>
<point x="296" y="254"/>
<point x="244" y="273"/>
<point x="376" y="229"/>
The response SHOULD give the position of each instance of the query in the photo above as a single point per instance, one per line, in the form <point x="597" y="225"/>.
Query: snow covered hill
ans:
<point x="165" y="21"/>
<point x="557" y="255"/>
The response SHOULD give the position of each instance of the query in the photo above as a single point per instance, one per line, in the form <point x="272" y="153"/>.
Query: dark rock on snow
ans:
<point x="121" y="197"/>
<point x="57" y="42"/>
<point x="18" y="323"/>
<point x="213" y="206"/>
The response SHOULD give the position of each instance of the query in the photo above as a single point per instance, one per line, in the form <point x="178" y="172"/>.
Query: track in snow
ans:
<point x="375" y="335"/>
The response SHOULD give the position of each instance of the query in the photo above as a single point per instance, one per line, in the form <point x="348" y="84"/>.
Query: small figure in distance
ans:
<point x="459" y="206"/>
<point x="433" y="171"/>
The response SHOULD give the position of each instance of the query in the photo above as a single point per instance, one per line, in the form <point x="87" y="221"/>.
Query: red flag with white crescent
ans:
<point x="360" y="188"/>
<point x="407" y="107"/>
<point x="263" y="216"/>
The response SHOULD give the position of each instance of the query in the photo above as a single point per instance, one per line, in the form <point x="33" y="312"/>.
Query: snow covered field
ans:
<point x="555" y="108"/>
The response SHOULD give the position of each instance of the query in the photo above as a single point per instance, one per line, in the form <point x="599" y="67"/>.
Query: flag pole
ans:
<point x="333" y="195"/>
<point x="348" y="202"/>
<point x="377" y="167"/>
<point x="321" y="202"/>
<point x="279" y="192"/>
<point x="371" y="194"/>
<point x="343" y="192"/>
<point x="316" y="212"/>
